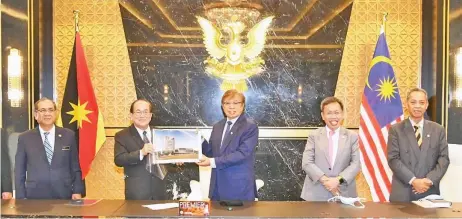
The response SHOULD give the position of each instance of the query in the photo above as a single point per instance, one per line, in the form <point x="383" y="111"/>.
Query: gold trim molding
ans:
<point x="274" y="133"/>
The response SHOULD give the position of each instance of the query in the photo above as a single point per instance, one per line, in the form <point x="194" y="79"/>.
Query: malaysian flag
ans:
<point x="381" y="107"/>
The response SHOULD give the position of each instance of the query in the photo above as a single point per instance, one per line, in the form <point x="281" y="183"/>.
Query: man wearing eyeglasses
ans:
<point x="331" y="157"/>
<point x="47" y="162"/>
<point x="132" y="147"/>
<point x="231" y="152"/>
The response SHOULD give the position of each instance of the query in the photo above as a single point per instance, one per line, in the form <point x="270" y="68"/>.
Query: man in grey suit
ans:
<point x="132" y="145"/>
<point x="47" y="163"/>
<point x="417" y="152"/>
<point x="331" y="157"/>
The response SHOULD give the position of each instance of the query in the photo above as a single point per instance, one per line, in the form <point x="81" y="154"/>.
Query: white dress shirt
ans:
<point x="421" y="127"/>
<point x="419" y="124"/>
<point x="212" y="160"/>
<point x="50" y="137"/>
<point x="148" y="134"/>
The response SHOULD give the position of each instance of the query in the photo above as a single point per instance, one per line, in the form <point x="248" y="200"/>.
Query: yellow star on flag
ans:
<point x="387" y="89"/>
<point x="79" y="113"/>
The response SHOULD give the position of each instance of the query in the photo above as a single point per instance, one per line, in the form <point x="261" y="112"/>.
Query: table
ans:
<point x="261" y="209"/>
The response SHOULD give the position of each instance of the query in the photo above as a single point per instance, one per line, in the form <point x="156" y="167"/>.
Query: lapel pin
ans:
<point x="59" y="135"/>
<point x="231" y="133"/>
<point x="428" y="136"/>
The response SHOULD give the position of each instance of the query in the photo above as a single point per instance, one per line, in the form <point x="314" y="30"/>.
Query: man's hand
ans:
<point x="204" y="161"/>
<point x="331" y="184"/>
<point x="76" y="196"/>
<point x="428" y="181"/>
<point x="420" y="186"/>
<point x="147" y="149"/>
<point x="335" y="191"/>
<point x="7" y="195"/>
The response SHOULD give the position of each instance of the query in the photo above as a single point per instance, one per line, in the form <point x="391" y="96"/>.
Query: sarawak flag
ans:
<point x="380" y="108"/>
<point x="80" y="111"/>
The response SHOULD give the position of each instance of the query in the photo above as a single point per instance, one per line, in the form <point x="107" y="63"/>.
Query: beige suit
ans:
<point x="315" y="163"/>
<point x="407" y="160"/>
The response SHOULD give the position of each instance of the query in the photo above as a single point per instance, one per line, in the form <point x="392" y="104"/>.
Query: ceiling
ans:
<point x="298" y="24"/>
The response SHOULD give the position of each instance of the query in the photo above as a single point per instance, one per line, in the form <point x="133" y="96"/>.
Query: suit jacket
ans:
<point x="234" y="175"/>
<point x="139" y="183"/>
<point x="407" y="160"/>
<point x="6" y="164"/>
<point x="315" y="163"/>
<point x="35" y="178"/>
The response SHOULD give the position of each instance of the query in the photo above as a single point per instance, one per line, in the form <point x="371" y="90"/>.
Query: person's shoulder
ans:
<point x="123" y="132"/>
<point x="249" y="120"/>
<point x="349" y="132"/>
<point x="434" y="125"/>
<point x="28" y="133"/>
<point x="65" y="131"/>
<point x="399" y="125"/>
<point x="317" y="132"/>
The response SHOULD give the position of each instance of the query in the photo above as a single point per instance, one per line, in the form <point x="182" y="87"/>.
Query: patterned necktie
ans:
<point x="48" y="148"/>
<point x="159" y="169"/>
<point x="228" y="129"/>
<point x="331" y="148"/>
<point x="417" y="135"/>
<point x="145" y="137"/>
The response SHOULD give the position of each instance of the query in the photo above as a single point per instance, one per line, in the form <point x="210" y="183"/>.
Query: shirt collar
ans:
<point x="141" y="130"/>
<point x="335" y="132"/>
<point x="51" y="131"/>
<point x="419" y="124"/>
<point x="233" y="120"/>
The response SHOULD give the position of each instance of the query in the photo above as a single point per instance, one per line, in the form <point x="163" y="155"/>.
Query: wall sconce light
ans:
<point x="15" y="69"/>
<point x="299" y="93"/>
<point x="165" y="93"/>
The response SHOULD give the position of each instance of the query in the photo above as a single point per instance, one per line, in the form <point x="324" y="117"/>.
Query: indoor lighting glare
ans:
<point x="15" y="90"/>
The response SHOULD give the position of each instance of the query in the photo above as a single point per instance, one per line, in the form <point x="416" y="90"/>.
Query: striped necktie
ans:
<point x="48" y="147"/>
<point x="417" y="135"/>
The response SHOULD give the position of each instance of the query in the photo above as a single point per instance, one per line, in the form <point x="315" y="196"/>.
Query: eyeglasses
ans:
<point x="50" y="110"/>
<point x="142" y="113"/>
<point x="333" y="113"/>
<point x="233" y="103"/>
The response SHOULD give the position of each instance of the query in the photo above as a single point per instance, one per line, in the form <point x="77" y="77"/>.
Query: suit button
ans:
<point x="330" y="169"/>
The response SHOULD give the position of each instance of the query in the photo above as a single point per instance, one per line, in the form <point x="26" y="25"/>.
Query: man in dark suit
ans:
<point x="47" y="163"/>
<point x="132" y="144"/>
<point x="231" y="152"/>
<point x="7" y="189"/>
<point x="417" y="152"/>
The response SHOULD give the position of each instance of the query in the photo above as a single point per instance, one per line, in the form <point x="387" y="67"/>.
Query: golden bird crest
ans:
<point x="235" y="61"/>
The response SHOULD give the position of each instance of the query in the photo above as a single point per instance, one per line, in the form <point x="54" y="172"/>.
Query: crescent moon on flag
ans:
<point x="375" y="61"/>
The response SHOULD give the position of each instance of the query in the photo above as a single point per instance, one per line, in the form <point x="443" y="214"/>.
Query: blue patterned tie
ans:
<point x="48" y="148"/>
<point x="228" y="129"/>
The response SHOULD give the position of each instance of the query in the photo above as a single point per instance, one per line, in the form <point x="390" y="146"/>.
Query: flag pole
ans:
<point x="384" y="21"/>
<point x="76" y="20"/>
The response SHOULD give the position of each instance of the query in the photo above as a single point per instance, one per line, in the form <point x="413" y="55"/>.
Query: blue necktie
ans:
<point x="48" y="148"/>
<point x="228" y="129"/>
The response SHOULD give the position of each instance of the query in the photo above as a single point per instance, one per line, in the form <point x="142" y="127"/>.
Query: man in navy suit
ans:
<point x="47" y="163"/>
<point x="231" y="152"/>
